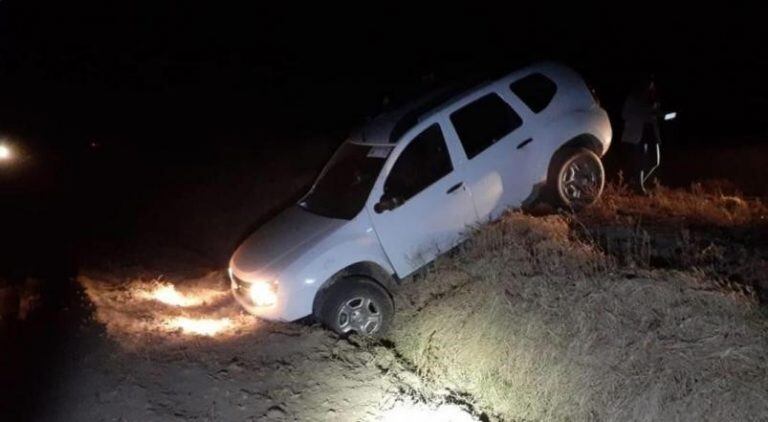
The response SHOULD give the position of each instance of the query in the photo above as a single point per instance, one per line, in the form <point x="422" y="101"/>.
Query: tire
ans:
<point x="357" y="305"/>
<point x="576" y="178"/>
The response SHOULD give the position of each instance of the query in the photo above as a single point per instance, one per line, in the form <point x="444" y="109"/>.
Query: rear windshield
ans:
<point x="347" y="180"/>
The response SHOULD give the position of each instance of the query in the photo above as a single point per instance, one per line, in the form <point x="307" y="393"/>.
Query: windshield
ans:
<point x="344" y="185"/>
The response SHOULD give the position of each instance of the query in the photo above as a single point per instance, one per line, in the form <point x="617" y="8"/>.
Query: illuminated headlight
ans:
<point x="263" y="293"/>
<point x="670" y="116"/>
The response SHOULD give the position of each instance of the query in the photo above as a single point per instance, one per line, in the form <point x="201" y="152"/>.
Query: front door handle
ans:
<point x="524" y="143"/>
<point x="455" y="187"/>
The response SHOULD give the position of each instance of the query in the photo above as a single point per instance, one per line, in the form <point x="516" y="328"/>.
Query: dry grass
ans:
<point x="710" y="227"/>
<point x="711" y="204"/>
<point x="539" y="326"/>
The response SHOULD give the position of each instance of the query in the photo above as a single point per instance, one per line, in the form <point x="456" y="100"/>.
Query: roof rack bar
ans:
<point x="371" y="144"/>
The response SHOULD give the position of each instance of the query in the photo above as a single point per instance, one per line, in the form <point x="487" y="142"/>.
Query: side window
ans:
<point x="424" y="161"/>
<point x="535" y="90"/>
<point x="483" y="122"/>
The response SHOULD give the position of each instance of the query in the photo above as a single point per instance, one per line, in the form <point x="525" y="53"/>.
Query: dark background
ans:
<point x="124" y="111"/>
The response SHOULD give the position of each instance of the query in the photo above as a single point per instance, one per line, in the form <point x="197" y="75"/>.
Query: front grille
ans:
<point x="240" y="288"/>
<point x="238" y="281"/>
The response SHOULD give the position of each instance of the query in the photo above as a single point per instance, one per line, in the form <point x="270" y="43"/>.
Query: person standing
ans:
<point x="641" y="134"/>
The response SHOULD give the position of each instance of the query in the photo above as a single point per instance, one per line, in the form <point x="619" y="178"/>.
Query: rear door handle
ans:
<point x="454" y="188"/>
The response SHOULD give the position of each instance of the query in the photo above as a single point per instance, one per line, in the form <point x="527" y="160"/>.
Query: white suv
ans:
<point x="404" y="189"/>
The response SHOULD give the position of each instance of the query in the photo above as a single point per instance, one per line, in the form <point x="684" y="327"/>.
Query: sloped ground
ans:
<point x="541" y="327"/>
<point x="527" y="321"/>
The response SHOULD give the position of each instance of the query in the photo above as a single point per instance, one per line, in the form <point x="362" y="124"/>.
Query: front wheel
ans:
<point x="357" y="305"/>
<point x="576" y="178"/>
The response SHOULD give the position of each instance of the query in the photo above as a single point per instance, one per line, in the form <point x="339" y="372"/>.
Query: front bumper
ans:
<point x="293" y="301"/>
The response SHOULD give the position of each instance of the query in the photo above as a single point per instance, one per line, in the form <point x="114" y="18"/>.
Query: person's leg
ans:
<point x="650" y="158"/>
<point x="637" y="177"/>
<point x="629" y="167"/>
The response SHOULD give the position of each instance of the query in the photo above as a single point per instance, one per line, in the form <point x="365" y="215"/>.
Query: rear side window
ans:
<point x="423" y="162"/>
<point x="483" y="122"/>
<point x="535" y="90"/>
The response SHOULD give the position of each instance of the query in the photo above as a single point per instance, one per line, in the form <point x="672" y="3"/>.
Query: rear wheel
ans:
<point x="357" y="305"/>
<point x="576" y="178"/>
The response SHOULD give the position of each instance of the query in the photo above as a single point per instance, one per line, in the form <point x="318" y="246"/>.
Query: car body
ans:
<point x="404" y="188"/>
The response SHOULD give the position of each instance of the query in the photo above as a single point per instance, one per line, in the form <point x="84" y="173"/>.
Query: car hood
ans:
<point x="284" y="234"/>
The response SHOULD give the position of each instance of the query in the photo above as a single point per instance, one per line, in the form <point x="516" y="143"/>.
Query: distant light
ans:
<point x="670" y="116"/>
<point x="5" y="152"/>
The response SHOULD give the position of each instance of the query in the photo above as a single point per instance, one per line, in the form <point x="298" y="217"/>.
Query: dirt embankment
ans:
<point x="539" y="326"/>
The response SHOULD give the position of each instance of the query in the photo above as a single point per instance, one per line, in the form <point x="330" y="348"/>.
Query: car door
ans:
<point x="496" y="143"/>
<point x="420" y="207"/>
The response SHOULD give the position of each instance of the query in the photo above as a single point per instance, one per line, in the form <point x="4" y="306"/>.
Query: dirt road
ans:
<point x="141" y="367"/>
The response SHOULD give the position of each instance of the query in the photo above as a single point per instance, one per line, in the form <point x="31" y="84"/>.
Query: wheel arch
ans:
<point x="584" y="140"/>
<point x="367" y="269"/>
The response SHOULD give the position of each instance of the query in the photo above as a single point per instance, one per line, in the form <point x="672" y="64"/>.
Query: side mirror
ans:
<point x="386" y="203"/>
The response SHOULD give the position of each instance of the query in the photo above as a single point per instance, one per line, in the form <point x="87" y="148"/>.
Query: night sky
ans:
<point x="96" y="66"/>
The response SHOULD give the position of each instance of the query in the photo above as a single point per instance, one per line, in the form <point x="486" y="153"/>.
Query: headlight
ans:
<point x="263" y="293"/>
